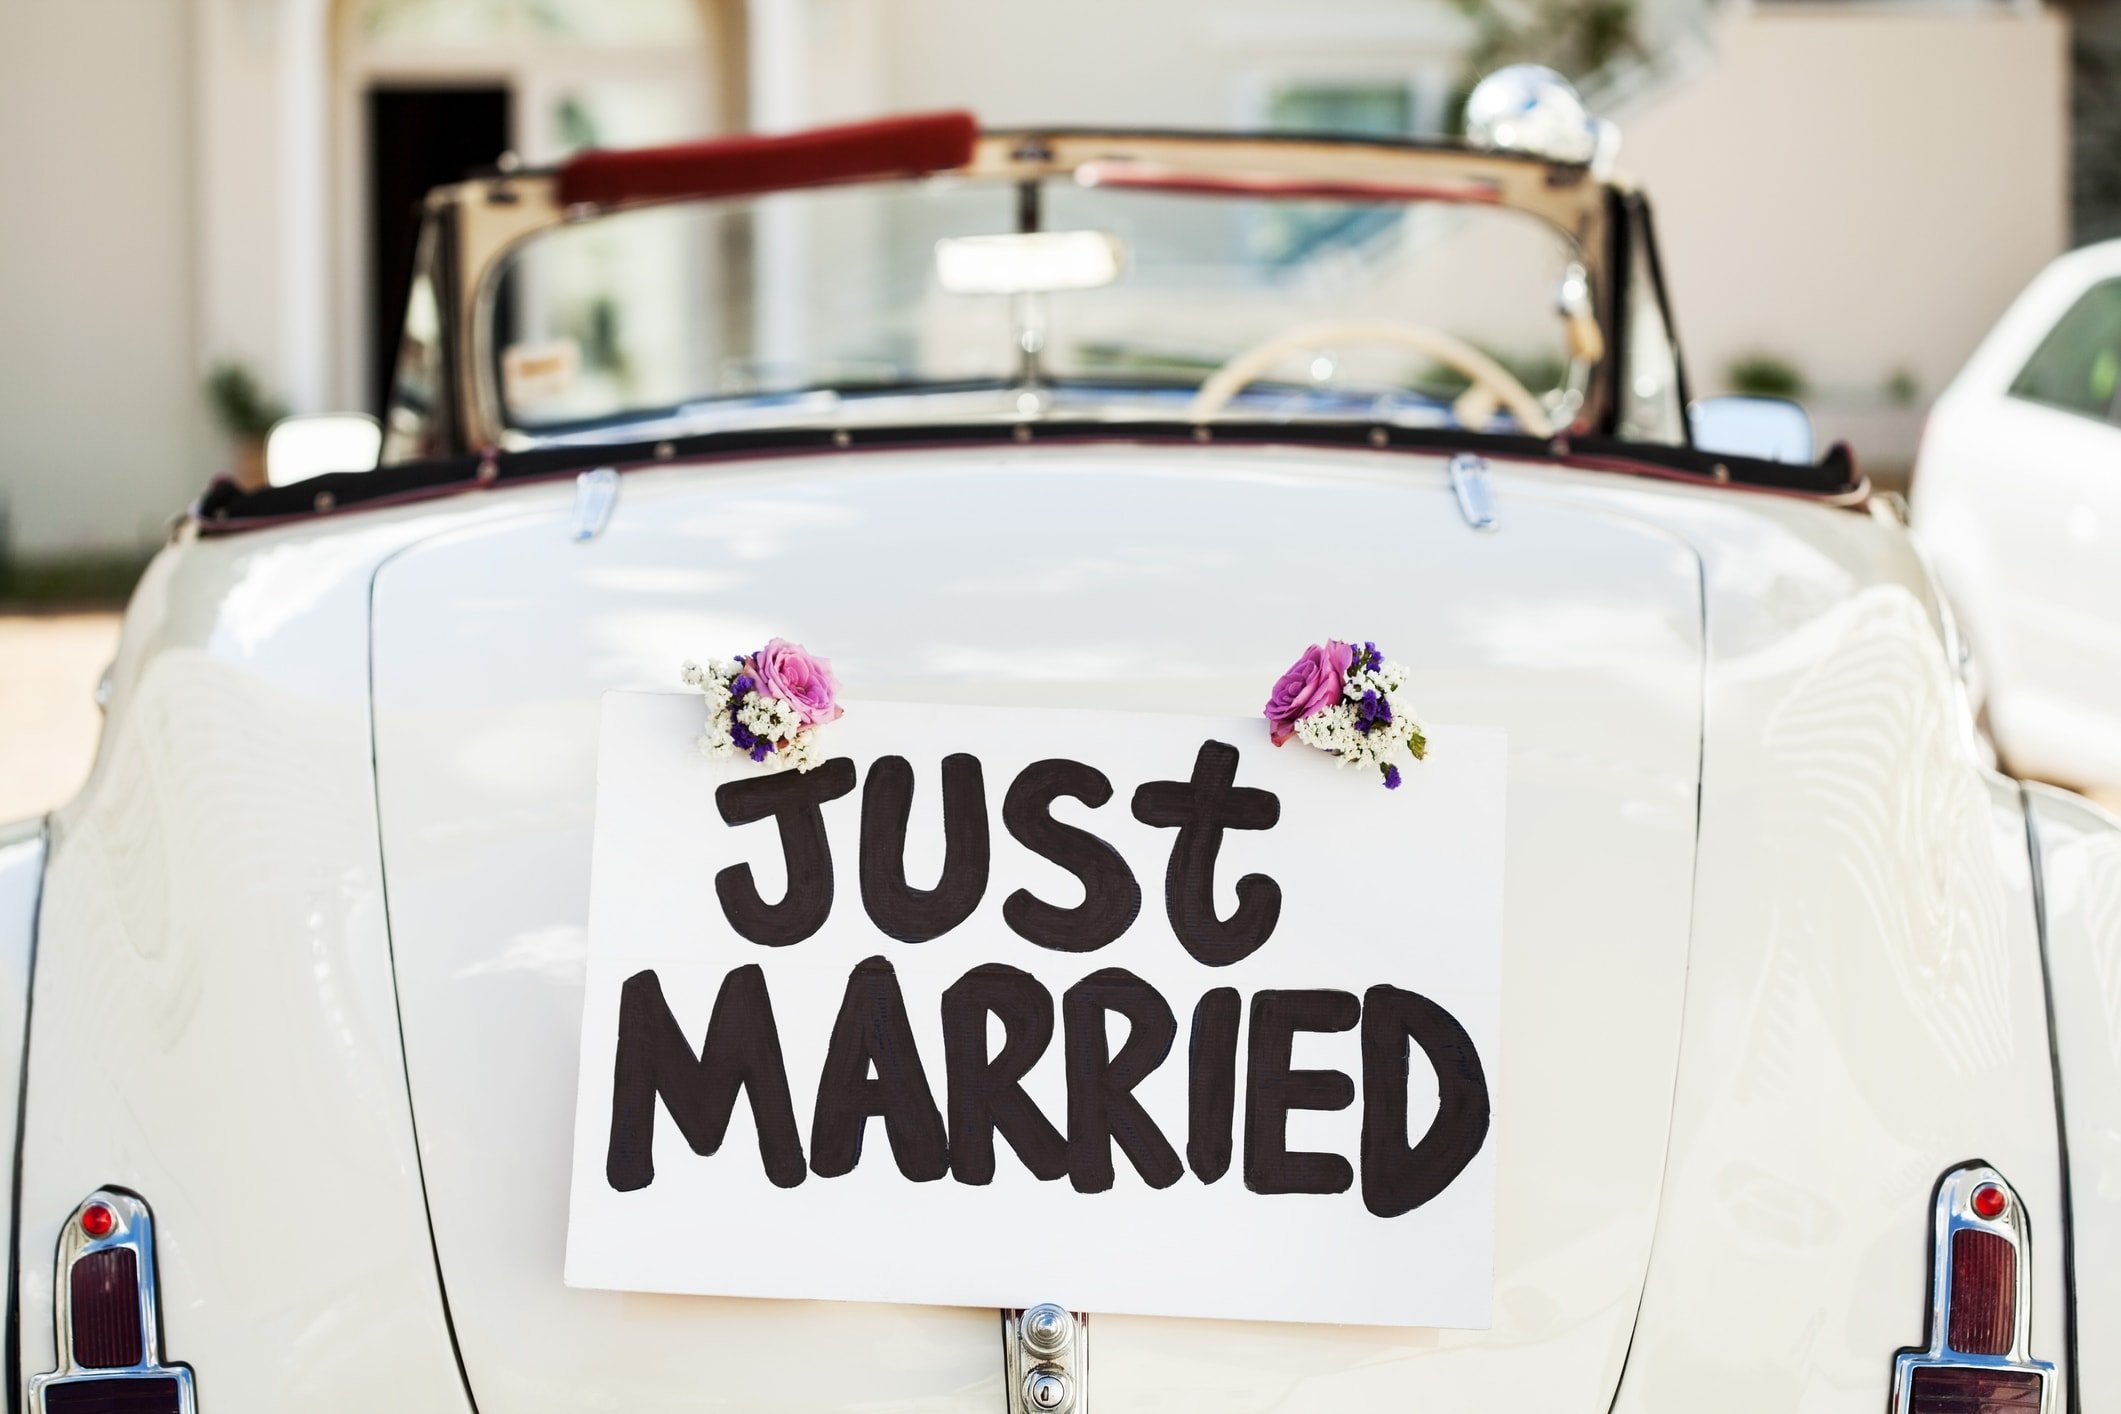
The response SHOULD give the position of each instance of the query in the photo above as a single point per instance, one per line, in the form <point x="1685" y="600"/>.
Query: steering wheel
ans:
<point x="1492" y="384"/>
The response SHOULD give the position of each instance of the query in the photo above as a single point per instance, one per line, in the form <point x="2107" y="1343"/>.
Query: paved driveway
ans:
<point x="49" y="664"/>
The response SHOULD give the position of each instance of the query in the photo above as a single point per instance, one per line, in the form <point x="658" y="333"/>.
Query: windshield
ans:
<point x="867" y="303"/>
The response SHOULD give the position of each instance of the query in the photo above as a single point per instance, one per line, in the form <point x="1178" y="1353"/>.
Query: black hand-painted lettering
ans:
<point x="1101" y="1103"/>
<point x="987" y="1095"/>
<point x="742" y="1052"/>
<point x="1111" y="898"/>
<point x="793" y="798"/>
<point x="1202" y="809"/>
<point x="1272" y="1089"/>
<point x="872" y="1031"/>
<point x="1395" y="1178"/>
<point x="1211" y="1092"/>
<point x="915" y="915"/>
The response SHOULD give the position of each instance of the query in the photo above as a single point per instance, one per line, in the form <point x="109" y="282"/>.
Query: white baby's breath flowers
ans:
<point x="1329" y="729"/>
<point x="758" y="716"/>
<point x="713" y="683"/>
<point x="1369" y="695"/>
<point x="769" y="717"/>
<point x="801" y="752"/>
<point x="1334" y="730"/>
<point x="1384" y="680"/>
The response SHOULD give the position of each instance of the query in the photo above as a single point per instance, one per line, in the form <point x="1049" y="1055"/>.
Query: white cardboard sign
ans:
<point x="1128" y="1011"/>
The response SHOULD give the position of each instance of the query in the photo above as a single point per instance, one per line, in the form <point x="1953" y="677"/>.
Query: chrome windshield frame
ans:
<point x="481" y="222"/>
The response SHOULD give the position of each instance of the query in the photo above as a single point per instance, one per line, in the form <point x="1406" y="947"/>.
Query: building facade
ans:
<point x="1853" y="190"/>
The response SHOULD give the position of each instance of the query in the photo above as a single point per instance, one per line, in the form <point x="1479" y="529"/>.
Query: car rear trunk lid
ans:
<point x="1167" y="581"/>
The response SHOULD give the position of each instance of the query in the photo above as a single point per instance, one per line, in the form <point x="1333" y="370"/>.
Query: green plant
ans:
<point x="240" y="405"/>
<point x="1764" y="375"/>
<point x="1576" y="38"/>
<point x="1902" y="387"/>
<point x="69" y="581"/>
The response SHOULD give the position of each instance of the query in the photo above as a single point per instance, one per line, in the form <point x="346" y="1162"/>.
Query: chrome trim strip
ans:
<point x="134" y="1229"/>
<point x="1954" y="1211"/>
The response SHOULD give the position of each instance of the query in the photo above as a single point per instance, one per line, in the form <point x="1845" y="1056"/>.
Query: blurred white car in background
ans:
<point x="2017" y="492"/>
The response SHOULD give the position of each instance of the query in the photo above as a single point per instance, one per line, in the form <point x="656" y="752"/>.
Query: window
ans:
<point x="484" y="22"/>
<point x="680" y="315"/>
<point x="1292" y="234"/>
<point x="1379" y="108"/>
<point x="2078" y="365"/>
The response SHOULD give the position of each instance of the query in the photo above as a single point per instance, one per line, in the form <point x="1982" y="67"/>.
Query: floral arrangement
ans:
<point x="1345" y="700"/>
<point x="767" y="705"/>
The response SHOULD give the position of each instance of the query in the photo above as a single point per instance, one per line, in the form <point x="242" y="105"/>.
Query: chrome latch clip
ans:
<point x="1476" y="497"/>
<point x="595" y="492"/>
<point x="1045" y="1353"/>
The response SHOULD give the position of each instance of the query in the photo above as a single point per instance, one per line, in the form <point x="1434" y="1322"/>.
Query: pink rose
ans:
<point x="1312" y="683"/>
<point x="798" y="677"/>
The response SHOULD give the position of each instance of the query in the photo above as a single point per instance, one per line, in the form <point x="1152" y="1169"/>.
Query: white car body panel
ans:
<point x="2078" y="848"/>
<point x="215" y="1024"/>
<point x="218" y="1017"/>
<point x="2021" y="506"/>
<point x="21" y="885"/>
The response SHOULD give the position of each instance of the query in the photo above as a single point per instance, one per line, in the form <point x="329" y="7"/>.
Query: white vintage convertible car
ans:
<point x="1699" y="1024"/>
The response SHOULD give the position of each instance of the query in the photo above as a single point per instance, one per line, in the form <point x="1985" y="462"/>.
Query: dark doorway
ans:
<point x="418" y="138"/>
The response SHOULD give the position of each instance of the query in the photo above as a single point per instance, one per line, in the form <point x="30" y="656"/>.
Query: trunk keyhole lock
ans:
<point x="1045" y="1352"/>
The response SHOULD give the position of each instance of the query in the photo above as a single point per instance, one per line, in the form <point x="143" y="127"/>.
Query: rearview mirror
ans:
<point x="1745" y="425"/>
<point x="1028" y="262"/>
<point x="298" y="448"/>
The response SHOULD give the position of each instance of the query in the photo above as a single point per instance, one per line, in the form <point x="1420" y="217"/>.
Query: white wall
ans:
<point x="102" y="426"/>
<point x="1858" y="189"/>
<point x="239" y="173"/>
<point x="1172" y="63"/>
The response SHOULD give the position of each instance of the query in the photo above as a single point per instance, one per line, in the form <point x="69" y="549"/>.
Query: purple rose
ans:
<point x="1312" y="684"/>
<point x="800" y="678"/>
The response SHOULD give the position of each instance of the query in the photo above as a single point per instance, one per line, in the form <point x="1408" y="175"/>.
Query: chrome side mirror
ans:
<point x="298" y="448"/>
<point x="1531" y="109"/>
<point x="1745" y="425"/>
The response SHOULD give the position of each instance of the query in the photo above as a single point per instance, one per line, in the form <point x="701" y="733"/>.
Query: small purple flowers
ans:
<point x="1374" y="710"/>
<point x="758" y="748"/>
<point x="1343" y="699"/>
<point x="767" y="705"/>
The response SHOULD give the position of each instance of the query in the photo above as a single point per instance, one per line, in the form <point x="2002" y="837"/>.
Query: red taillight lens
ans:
<point x="104" y="1302"/>
<point x="127" y="1396"/>
<point x="98" y="1221"/>
<point x="1961" y="1389"/>
<point x="1984" y="1292"/>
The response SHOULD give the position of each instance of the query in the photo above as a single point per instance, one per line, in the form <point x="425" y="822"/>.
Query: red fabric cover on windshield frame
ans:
<point x="910" y="146"/>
